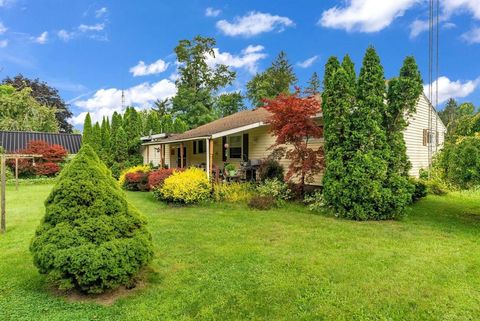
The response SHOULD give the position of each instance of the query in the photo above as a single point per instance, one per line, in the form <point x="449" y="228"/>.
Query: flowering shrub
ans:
<point x="314" y="201"/>
<point x="190" y="186"/>
<point x="157" y="177"/>
<point x="233" y="192"/>
<point x="140" y="168"/>
<point x="276" y="189"/>
<point x="137" y="181"/>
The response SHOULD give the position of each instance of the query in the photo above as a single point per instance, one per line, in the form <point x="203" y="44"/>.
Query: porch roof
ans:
<point x="243" y="120"/>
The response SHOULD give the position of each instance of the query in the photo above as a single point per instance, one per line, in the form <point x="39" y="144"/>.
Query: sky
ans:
<point x="92" y="50"/>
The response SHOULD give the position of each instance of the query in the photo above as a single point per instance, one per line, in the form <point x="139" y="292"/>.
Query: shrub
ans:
<point x="233" y="192"/>
<point x="190" y="186"/>
<point x="157" y="177"/>
<point x="420" y="189"/>
<point x="47" y="169"/>
<point x="271" y="169"/>
<point x="262" y="202"/>
<point x="276" y="189"/>
<point x="436" y="186"/>
<point x="137" y="181"/>
<point x="139" y="168"/>
<point x="315" y="201"/>
<point x="90" y="238"/>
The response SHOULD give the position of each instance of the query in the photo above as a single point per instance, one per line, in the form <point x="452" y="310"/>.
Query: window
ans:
<point x="429" y="137"/>
<point x="235" y="146"/>
<point x="199" y="146"/>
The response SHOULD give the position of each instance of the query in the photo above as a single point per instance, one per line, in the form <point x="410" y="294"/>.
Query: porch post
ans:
<point x="148" y="154"/>
<point x="162" y="160"/>
<point x="181" y="155"/>
<point x="207" y="167"/>
<point x="210" y="154"/>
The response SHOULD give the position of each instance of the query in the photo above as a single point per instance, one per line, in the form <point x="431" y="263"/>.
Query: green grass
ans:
<point x="225" y="262"/>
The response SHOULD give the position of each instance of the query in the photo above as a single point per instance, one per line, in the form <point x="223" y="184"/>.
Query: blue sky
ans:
<point x="91" y="50"/>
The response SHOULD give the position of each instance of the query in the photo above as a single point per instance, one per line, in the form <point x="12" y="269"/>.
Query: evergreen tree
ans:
<point x="90" y="238"/>
<point x="117" y="122"/>
<point x="87" y="136"/>
<point x="105" y="141"/>
<point x="228" y="104"/>
<point x="153" y="124"/>
<point x="313" y="87"/>
<point x="96" y="142"/>
<point x="120" y="146"/>
<point x="278" y="78"/>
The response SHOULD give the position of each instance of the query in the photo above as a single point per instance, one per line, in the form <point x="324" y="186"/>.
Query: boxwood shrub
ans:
<point x="90" y="237"/>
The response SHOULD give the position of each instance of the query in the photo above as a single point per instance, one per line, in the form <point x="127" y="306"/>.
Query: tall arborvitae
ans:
<point x="106" y="141"/>
<point x="153" y="124"/>
<point x="338" y="101"/>
<point x="87" y="130"/>
<point x="96" y="142"/>
<point x="403" y="94"/>
<point x="120" y="146"/>
<point x="117" y="122"/>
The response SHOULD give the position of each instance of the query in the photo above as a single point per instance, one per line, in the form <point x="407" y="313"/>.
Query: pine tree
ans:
<point x="277" y="79"/>
<point x="313" y="87"/>
<point x="87" y="136"/>
<point x="105" y="142"/>
<point x="90" y="238"/>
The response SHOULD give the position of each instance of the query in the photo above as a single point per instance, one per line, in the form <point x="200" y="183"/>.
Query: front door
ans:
<point x="179" y="155"/>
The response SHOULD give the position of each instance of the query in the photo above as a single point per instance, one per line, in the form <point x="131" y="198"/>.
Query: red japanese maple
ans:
<point x="293" y="124"/>
<point x="47" y="164"/>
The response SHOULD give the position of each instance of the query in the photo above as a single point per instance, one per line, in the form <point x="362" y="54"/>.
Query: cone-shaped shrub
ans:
<point x="90" y="237"/>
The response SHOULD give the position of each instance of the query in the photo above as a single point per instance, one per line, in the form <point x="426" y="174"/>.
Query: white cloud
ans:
<point x="472" y="36"/>
<point x="65" y="35"/>
<point x="308" y="62"/>
<point x="3" y="29"/>
<point x="253" y="24"/>
<point x="42" y="39"/>
<point x="6" y="3"/>
<point x="211" y="12"/>
<point x="141" y="69"/>
<point x="95" y="27"/>
<point x="106" y="101"/>
<point x="451" y="7"/>
<point x="452" y="89"/>
<point x="3" y="43"/>
<point x="365" y="15"/>
<point x="418" y="26"/>
<point x="247" y="59"/>
<point x="101" y="12"/>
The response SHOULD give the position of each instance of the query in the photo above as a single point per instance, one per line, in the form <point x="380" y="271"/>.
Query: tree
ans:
<point x="292" y="122"/>
<point x="105" y="141"/>
<point x="96" y="142"/>
<point x="228" y="104"/>
<point x="197" y="82"/>
<point x="47" y="96"/>
<point x="90" y="238"/>
<point x="20" y="111"/>
<point x="87" y="136"/>
<point x="313" y="87"/>
<point x="277" y="79"/>
<point x="153" y="124"/>
<point x="120" y="146"/>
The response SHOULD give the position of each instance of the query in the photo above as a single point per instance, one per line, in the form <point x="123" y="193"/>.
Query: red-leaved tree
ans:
<point x="47" y="165"/>
<point x="293" y="124"/>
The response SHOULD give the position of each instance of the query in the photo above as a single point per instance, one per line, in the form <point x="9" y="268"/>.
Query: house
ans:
<point x="244" y="138"/>
<point x="14" y="141"/>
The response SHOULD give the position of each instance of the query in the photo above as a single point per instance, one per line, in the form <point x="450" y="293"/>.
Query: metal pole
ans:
<point x="3" y="224"/>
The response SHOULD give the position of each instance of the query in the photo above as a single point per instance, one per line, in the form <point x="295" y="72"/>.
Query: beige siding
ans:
<point x="417" y="152"/>
<point x="151" y="154"/>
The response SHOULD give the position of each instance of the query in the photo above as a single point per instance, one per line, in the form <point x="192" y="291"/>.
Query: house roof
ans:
<point x="14" y="141"/>
<point x="238" y="120"/>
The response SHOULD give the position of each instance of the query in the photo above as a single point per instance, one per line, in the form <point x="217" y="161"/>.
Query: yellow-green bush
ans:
<point x="190" y="186"/>
<point x="233" y="192"/>
<point x="131" y="170"/>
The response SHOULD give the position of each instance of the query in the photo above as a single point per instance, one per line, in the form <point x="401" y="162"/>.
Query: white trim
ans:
<point x="237" y="130"/>
<point x="176" y="141"/>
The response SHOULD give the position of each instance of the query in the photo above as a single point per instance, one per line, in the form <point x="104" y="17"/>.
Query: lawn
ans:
<point x="226" y="262"/>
